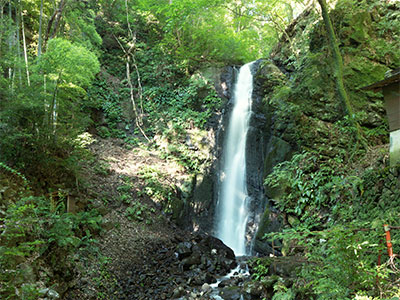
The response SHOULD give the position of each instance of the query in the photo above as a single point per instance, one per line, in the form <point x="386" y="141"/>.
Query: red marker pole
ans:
<point x="388" y="240"/>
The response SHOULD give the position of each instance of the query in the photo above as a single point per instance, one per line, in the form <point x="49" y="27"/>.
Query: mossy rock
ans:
<point x="358" y="29"/>
<point x="178" y="209"/>
<point x="263" y="225"/>
<point x="286" y="266"/>
<point x="359" y="71"/>
<point x="269" y="76"/>
<point x="270" y="222"/>
<point x="278" y="151"/>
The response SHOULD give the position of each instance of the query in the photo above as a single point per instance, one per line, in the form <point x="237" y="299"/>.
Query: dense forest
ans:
<point x="111" y="114"/>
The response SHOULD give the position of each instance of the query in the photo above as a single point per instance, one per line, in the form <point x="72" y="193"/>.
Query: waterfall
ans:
<point x="232" y="212"/>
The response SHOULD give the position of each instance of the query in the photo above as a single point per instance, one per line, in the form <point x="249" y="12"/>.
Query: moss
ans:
<point x="270" y="76"/>
<point x="278" y="151"/>
<point x="263" y="226"/>
<point x="360" y="72"/>
<point x="357" y="31"/>
<point x="177" y="208"/>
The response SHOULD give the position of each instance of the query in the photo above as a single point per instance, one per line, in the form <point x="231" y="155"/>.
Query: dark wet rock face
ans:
<point x="271" y="148"/>
<point x="178" y="269"/>
<point x="200" y="212"/>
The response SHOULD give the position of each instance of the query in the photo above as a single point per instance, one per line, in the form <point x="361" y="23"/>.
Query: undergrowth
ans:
<point x="340" y="225"/>
<point x="36" y="233"/>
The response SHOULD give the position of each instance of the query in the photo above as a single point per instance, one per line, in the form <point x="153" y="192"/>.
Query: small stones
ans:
<point x="206" y="288"/>
<point x="178" y="292"/>
<point x="184" y="249"/>
<point x="184" y="269"/>
<point x="49" y="293"/>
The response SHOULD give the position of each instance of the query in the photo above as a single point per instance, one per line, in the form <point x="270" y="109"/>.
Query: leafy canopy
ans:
<point x="74" y="63"/>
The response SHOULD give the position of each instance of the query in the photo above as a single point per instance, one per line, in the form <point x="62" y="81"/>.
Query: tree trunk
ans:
<point x="55" y="17"/>
<point x="58" y="17"/>
<point x="39" y="50"/>
<point x="24" y="41"/>
<point x="53" y="106"/>
<point x="338" y="71"/>
<point x="138" y="116"/>
<point x="2" y="28"/>
<point x="11" y="39"/>
<point x="18" y="60"/>
<point x="128" y="78"/>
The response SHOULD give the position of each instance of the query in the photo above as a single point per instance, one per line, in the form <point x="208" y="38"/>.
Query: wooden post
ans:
<point x="71" y="204"/>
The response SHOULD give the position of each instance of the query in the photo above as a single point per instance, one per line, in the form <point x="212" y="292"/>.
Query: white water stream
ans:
<point x="232" y="212"/>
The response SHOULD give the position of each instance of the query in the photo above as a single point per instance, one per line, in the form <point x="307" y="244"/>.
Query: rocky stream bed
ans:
<point x="202" y="267"/>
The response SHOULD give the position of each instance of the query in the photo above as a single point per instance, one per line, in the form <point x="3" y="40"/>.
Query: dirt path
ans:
<point x="128" y="246"/>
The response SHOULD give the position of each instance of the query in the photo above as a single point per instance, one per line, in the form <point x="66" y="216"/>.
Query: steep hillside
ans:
<point x="331" y="195"/>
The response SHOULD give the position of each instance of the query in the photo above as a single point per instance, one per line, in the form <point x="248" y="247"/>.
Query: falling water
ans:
<point x="232" y="210"/>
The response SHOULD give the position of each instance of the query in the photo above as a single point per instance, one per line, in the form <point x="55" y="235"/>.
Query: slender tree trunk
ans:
<point x="53" y="106"/>
<point x="138" y="116"/>
<point x="49" y="26"/>
<point x="140" y="88"/>
<point x="337" y="58"/>
<point x="128" y="78"/>
<point x="17" y="17"/>
<point x="24" y="41"/>
<point x="338" y="72"/>
<point x="2" y="27"/>
<point x="10" y="40"/>
<point x="46" y="104"/>
<point x="51" y="32"/>
<point x="39" y="49"/>
<point x="58" y="17"/>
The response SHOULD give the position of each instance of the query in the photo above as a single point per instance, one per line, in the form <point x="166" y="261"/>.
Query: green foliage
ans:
<point x="72" y="64"/>
<point x="304" y="188"/>
<point x="34" y="231"/>
<point x="108" y="100"/>
<point x="82" y="30"/>
<point x="281" y="292"/>
<point x="139" y="212"/>
<point x="193" y="103"/>
<point x="228" y="31"/>
<point x="13" y="172"/>
<point x="343" y="261"/>
<point x="349" y="211"/>
<point x="260" y="270"/>
<point x="157" y="187"/>
<point x="102" y="168"/>
<point x="40" y="122"/>
<point x="336" y="198"/>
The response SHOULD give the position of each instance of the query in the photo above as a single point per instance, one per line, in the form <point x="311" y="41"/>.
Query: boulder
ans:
<point x="270" y="222"/>
<point x="184" y="249"/>
<point x="192" y="260"/>
<point x="206" y="288"/>
<point x="231" y="293"/>
<point x="253" y="288"/>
